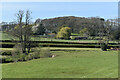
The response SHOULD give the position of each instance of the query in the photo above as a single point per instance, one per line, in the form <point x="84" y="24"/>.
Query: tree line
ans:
<point x="90" y="27"/>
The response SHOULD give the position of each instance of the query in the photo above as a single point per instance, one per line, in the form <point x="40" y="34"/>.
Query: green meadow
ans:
<point x="69" y="62"/>
<point x="66" y="64"/>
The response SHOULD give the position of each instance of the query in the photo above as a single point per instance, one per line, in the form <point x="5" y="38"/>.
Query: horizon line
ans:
<point x="65" y="16"/>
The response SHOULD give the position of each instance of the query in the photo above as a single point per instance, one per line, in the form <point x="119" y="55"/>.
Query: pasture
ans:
<point x="66" y="64"/>
<point x="69" y="62"/>
<point x="5" y="36"/>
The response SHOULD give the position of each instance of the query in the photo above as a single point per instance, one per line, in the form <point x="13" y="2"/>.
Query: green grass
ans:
<point x="60" y="40"/>
<point x="67" y="64"/>
<point x="5" y="36"/>
<point x="74" y="34"/>
<point x="59" y="49"/>
<point x="6" y="49"/>
<point x="74" y="49"/>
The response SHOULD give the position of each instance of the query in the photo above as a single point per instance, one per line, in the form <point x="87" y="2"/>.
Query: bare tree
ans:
<point x="23" y="30"/>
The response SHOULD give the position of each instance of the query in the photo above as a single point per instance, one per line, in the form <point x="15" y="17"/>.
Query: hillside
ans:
<point x="75" y="23"/>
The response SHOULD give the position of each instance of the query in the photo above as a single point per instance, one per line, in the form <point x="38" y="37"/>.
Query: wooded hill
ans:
<point x="75" y="23"/>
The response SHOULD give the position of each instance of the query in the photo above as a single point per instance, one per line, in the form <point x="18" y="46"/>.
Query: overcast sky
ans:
<point x="44" y="10"/>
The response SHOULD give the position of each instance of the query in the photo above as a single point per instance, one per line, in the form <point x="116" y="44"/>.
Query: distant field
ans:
<point x="67" y="64"/>
<point x="58" y="48"/>
<point x="5" y="49"/>
<point x="5" y="36"/>
<point x="75" y="49"/>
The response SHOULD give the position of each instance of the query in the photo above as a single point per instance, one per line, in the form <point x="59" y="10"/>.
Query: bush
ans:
<point x="30" y="57"/>
<point x="6" y="59"/>
<point x="17" y="54"/>
<point x="45" y="52"/>
<point x="36" y="52"/>
<point x="26" y="58"/>
<point x="40" y="52"/>
<point x="2" y="59"/>
<point x="6" y="53"/>
<point x="21" y="57"/>
<point x="104" y="46"/>
<point x="9" y="59"/>
<point x="36" y="55"/>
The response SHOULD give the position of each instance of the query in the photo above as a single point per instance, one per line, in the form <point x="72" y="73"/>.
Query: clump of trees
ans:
<point x="84" y="32"/>
<point x="23" y="33"/>
<point x="104" y="46"/>
<point x="109" y="32"/>
<point x="64" y="33"/>
<point x="40" y="29"/>
<point x="116" y="34"/>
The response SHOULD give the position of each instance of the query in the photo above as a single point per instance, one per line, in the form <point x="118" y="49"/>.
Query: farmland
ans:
<point x="74" y="59"/>
<point x="67" y="64"/>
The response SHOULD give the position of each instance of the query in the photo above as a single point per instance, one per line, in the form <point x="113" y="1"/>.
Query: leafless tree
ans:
<point x="23" y="30"/>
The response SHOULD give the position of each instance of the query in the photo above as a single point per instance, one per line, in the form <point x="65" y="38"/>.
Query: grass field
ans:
<point x="67" y="64"/>
<point x="5" y="36"/>
<point x="60" y="49"/>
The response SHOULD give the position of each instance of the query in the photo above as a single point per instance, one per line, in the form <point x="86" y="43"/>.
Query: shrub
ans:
<point x="21" y="57"/>
<point x="9" y="59"/>
<point x="45" y="52"/>
<point x="30" y="57"/>
<point x="6" y="59"/>
<point x="2" y="59"/>
<point x="40" y="52"/>
<point x="6" y="53"/>
<point x="36" y="53"/>
<point x="15" y="59"/>
<point x="26" y="58"/>
<point x="104" y="46"/>
<point x="17" y="54"/>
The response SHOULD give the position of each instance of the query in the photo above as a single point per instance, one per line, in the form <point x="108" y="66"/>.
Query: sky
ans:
<point x="45" y="10"/>
<point x="59" y="0"/>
